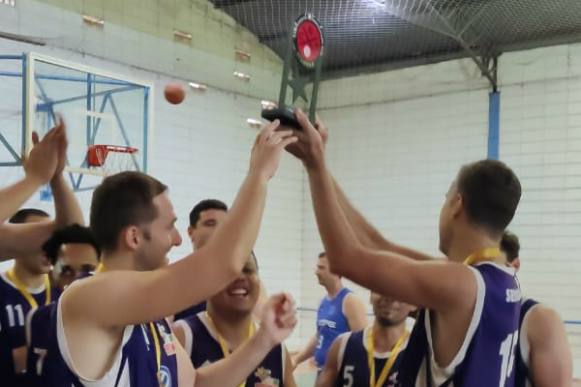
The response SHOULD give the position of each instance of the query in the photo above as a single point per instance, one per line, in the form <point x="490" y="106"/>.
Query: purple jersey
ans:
<point x="13" y="311"/>
<point x="203" y="347"/>
<point x="353" y="365"/>
<point x="134" y="365"/>
<point x="523" y="377"/>
<point x="486" y="357"/>
<point x="331" y="322"/>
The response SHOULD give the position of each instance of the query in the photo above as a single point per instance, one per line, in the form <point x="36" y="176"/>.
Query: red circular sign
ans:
<point x="308" y="40"/>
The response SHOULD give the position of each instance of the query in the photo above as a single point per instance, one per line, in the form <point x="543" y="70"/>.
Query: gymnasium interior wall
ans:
<point x="397" y="138"/>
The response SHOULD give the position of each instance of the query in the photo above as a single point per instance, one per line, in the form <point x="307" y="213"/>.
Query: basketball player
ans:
<point x="355" y="357"/>
<point x="44" y="164"/>
<point x="467" y="332"/>
<point x="109" y="329"/>
<point x="543" y="355"/>
<point x="204" y="218"/>
<point x="73" y="252"/>
<point x="228" y="323"/>
<point x="339" y="312"/>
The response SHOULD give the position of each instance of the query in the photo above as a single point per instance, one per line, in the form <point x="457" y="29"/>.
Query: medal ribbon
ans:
<point x="388" y="364"/>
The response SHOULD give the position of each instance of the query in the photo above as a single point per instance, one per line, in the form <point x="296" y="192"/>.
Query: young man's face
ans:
<point x="389" y="312"/>
<point x="74" y="260"/>
<point x="323" y="272"/>
<point x="159" y="236"/>
<point x="240" y="297"/>
<point x="447" y="216"/>
<point x="37" y="264"/>
<point x="201" y="232"/>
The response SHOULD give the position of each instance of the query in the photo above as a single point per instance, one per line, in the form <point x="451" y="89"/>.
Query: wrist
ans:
<point x="263" y="341"/>
<point x="57" y="181"/>
<point x="33" y="182"/>
<point x="256" y="177"/>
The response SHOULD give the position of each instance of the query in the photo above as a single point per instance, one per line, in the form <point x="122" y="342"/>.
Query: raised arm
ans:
<point x="39" y="168"/>
<point x="367" y="234"/>
<point x="121" y="298"/>
<point x="437" y="285"/>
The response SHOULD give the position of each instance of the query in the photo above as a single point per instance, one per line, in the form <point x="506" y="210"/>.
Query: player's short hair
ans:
<point x="510" y="246"/>
<point x="206" y="204"/>
<point x="22" y="215"/>
<point x="491" y="192"/>
<point x="122" y="200"/>
<point x="70" y="234"/>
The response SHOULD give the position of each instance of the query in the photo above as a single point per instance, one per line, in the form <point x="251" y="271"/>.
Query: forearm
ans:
<point x="368" y="235"/>
<point x="235" y="237"/>
<point x="308" y="351"/>
<point x="190" y="280"/>
<point x="338" y="237"/>
<point x="23" y="239"/>
<point x="67" y="208"/>
<point x="233" y="370"/>
<point x="15" y="195"/>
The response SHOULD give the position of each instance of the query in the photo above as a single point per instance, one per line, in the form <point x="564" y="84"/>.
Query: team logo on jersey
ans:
<point x="265" y="379"/>
<point x="164" y="377"/>
<point x="392" y="379"/>
<point x="168" y="343"/>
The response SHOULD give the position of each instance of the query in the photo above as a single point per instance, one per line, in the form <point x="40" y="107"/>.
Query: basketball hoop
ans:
<point x="111" y="159"/>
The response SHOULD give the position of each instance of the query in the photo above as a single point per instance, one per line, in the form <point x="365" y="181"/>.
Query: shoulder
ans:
<point x="542" y="323"/>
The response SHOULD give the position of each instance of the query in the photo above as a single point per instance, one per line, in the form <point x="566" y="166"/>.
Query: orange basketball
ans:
<point x="174" y="93"/>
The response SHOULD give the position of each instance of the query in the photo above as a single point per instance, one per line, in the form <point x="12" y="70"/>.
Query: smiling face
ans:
<point x="157" y="237"/>
<point x="240" y="297"/>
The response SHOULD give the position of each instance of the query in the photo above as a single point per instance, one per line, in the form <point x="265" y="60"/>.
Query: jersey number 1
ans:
<point x="507" y="352"/>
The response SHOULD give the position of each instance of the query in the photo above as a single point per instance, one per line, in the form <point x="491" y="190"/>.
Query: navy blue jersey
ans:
<point x="134" y="365"/>
<point x="331" y="322"/>
<point x="204" y="348"/>
<point x="13" y="311"/>
<point x="523" y="377"/>
<point x="353" y="365"/>
<point x="191" y="311"/>
<point x="38" y="331"/>
<point x="486" y="357"/>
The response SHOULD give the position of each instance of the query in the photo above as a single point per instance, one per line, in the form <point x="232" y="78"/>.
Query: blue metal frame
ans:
<point x="494" y="125"/>
<point x="93" y="123"/>
<point x="17" y="157"/>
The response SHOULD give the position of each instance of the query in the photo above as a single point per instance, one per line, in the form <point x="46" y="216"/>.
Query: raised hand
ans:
<point x="268" y="148"/>
<point x="278" y="319"/>
<point x="44" y="158"/>
<point x="311" y="140"/>
<point x="62" y="149"/>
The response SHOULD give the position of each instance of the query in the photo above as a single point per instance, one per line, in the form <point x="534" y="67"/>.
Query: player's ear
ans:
<point x="130" y="236"/>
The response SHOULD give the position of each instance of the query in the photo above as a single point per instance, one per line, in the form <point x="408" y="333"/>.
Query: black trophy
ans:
<point x="304" y="53"/>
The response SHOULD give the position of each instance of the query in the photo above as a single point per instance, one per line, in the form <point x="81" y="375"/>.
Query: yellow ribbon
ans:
<point x="388" y="365"/>
<point x="100" y="268"/>
<point x="157" y="351"/>
<point x="483" y="255"/>
<point x="222" y="342"/>
<point x="24" y="291"/>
